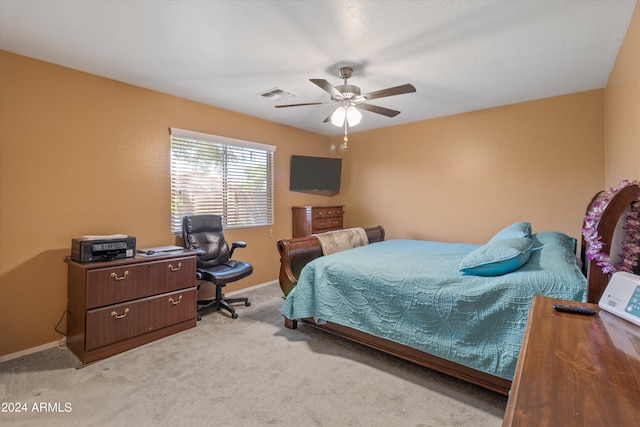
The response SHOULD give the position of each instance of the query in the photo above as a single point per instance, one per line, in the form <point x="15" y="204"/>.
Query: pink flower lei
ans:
<point x="629" y="249"/>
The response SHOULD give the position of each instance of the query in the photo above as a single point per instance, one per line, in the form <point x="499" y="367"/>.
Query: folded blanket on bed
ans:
<point x="339" y="240"/>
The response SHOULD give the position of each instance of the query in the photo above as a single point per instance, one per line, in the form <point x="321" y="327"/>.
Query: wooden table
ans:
<point x="576" y="370"/>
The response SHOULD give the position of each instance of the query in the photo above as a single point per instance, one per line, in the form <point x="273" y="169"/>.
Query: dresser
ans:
<point x="308" y="220"/>
<point x="575" y="370"/>
<point x="117" y="305"/>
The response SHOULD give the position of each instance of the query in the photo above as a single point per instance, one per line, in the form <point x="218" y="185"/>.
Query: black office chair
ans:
<point x="203" y="233"/>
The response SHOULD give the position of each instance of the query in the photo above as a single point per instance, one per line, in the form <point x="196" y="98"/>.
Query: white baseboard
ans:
<point x="259" y="285"/>
<point x="60" y="343"/>
<point x="63" y="341"/>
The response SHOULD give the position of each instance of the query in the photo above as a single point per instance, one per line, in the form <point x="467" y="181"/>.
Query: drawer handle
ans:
<point x="171" y="300"/>
<point x="175" y="269"/>
<point x="120" y="316"/>
<point x="124" y="276"/>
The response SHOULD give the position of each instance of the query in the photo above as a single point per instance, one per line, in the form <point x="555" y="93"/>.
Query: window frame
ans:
<point x="218" y="151"/>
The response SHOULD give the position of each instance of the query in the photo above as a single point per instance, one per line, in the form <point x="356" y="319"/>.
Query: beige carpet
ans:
<point x="245" y="372"/>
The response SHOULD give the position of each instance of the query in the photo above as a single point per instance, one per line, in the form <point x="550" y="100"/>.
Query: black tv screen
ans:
<point x="316" y="175"/>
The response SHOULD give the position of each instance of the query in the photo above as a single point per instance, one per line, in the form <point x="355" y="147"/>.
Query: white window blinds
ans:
<point x="224" y="176"/>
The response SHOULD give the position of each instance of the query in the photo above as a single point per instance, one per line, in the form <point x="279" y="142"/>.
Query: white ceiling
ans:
<point x="460" y="55"/>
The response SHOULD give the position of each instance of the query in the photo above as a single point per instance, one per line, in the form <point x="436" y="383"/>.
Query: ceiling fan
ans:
<point x="351" y="99"/>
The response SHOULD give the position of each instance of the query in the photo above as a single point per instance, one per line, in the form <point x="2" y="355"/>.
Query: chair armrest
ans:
<point x="234" y="245"/>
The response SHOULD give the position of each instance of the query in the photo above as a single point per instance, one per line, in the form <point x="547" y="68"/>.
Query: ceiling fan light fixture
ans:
<point x="338" y="116"/>
<point x="353" y="116"/>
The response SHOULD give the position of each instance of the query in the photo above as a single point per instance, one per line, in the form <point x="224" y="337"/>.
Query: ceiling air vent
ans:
<point x="277" y="94"/>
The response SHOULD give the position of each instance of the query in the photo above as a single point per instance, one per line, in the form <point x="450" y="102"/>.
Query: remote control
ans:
<point x="574" y="309"/>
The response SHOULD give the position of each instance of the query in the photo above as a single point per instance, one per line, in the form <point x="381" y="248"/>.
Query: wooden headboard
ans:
<point x="296" y="253"/>
<point x="597" y="280"/>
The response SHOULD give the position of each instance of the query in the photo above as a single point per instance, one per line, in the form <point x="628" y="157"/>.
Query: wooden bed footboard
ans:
<point x="296" y="253"/>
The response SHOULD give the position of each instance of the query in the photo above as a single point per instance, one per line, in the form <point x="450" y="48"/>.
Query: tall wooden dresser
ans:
<point x="308" y="220"/>
<point x="117" y="305"/>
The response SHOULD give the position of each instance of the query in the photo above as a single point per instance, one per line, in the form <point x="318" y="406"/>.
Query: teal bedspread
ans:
<point x="411" y="292"/>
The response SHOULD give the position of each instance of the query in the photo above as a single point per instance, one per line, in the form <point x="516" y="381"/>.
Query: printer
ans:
<point x="102" y="248"/>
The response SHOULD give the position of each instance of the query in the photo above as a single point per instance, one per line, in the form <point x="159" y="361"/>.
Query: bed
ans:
<point x="425" y="309"/>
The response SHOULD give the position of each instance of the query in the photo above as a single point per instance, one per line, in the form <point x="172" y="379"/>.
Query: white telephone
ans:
<point x="622" y="297"/>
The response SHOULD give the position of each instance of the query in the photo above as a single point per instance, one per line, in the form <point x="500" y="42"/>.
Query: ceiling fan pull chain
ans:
<point x="346" y="139"/>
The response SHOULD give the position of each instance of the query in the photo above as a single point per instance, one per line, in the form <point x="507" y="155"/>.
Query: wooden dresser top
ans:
<point x="576" y="370"/>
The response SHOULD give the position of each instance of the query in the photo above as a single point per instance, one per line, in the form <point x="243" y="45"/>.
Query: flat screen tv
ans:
<point x="315" y="175"/>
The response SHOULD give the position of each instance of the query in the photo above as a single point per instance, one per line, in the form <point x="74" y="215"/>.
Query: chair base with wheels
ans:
<point x="220" y="301"/>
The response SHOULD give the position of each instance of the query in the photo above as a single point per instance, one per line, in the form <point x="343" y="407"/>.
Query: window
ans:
<point x="224" y="176"/>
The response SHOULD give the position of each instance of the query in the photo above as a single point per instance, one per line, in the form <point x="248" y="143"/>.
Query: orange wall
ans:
<point x="81" y="154"/>
<point x="622" y="109"/>
<point x="463" y="177"/>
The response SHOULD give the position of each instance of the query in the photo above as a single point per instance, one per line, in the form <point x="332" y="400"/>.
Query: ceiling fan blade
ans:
<point x="397" y="90"/>
<point x="300" y="105"/>
<point x="327" y="87"/>
<point x="380" y="110"/>
<point x="328" y="119"/>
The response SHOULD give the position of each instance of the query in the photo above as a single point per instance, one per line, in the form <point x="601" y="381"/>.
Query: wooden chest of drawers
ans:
<point x="115" y="306"/>
<point x="308" y="220"/>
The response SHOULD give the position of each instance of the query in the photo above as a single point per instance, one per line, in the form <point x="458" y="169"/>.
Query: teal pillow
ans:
<point x="519" y="229"/>
<point x="497" y="258"/>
